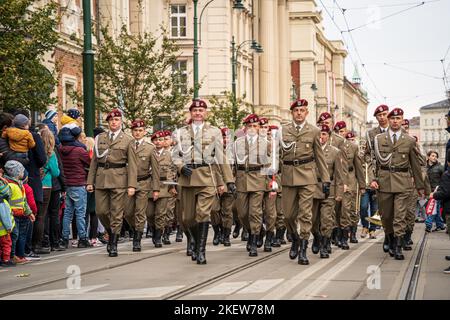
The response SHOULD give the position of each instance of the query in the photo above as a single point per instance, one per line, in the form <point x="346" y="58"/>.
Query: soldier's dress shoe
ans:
<point x="315" y="247"/>
<point x="293" y="253"/>
<point x="113" y="247"/>
<point x="276" y="239"/>
<point x="137" y="241"/>
<point x="268" y="242"/>
<point x="157" y="238"/>
<point x="201" y="252"/>
<point x="237" y="230"/>
<point x="226" y="237"/>
<point x="353" y="238"/>
<point x="179" y="236"/>
<point x="260" y="239"/>
<point x="253" y="245"/>
<point x="302" y="259"/>
<point x="245" y="235"/>
<point x="391" y="245"/>
<point x="323" y="248"/>
<point x="344" y="239"/>
<point x="282" y="239"/>
<point x="386" y="243"/>
<point x="328" y="247"/>
<point x="216" y="238"/>
<point x="398" y="249"/>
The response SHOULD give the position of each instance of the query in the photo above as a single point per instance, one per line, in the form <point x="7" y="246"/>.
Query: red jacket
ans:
<point x="30" y="198"/>
<point x="76" y="165"/>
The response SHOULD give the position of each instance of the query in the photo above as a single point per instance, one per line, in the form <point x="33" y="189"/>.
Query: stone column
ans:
<point x="284" y="70"/>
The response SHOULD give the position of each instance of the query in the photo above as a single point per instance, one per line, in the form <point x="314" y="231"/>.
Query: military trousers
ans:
<point x="279" y="222"/>
<point x="250" y="212"/>
<point x="109" y="207"/>
<point x="411" y="213"/>
<point x="222" y="213"/>
<point x="349" y="216"/>
<point x="323" y="216"/>
<point x="157" y="212"/>
<point x="179" y="210"/>
<point x="170" y="212"/>
<point x="297" y="207"/>
<point x="269" y="211"/>
<point x="136" y="209"/>
<point x="394" y="208"/>
<point x="197" y="203"/>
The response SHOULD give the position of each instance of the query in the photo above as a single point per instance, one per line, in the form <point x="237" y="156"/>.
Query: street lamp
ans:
<point x="234" y="51"/>
<point x="88" y="72"/>
<point x="237" y="4"/>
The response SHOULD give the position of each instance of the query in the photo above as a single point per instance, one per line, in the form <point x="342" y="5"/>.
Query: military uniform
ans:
<point x="323" y="218"/>
<point x="302" y="156"/>
<point x="147" y="183"/>
<point x="113" y="169"/>
<point x="196" y="157"/>
<point x="395" y="184"/>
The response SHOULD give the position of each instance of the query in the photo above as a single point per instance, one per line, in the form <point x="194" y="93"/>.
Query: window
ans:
<point x="69" y="90"/>
<point x="426" y="122"/>
<point x="178" y="19"/>
<point x="179" y="70"/>
<point x="432" y="122"/>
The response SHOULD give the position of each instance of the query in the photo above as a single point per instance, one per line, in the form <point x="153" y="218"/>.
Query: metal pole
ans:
<point x="233" y="81"/>
<point x="195" y="51"/>
<point x="88" y="72"/>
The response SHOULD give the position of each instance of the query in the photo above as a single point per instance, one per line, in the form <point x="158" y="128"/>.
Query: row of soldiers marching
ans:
<point x="299" y="177"/>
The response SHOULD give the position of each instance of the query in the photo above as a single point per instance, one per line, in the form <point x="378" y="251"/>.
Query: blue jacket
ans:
<point x="38" y="158"/>
<point x="6" y="216"/>
<point x="53" y="129"/>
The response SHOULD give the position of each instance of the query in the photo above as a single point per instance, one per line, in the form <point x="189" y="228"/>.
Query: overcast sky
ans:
<point x="401" y="53"/>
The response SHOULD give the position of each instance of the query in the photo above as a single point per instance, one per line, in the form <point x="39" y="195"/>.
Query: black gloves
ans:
<point x="231" y="188"/>
<point x="186" y="171"/>
<point x="326" y="189"/>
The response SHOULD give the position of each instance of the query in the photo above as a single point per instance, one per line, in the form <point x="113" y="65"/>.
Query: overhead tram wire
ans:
<point x="412" y="71"/>
<point x="388" y="5"/>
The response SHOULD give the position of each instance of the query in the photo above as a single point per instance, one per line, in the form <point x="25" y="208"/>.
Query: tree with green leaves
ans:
<point x="136" y="73"/>
<point x="26" y="34"/>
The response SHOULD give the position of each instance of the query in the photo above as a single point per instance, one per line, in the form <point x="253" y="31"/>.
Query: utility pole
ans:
<point x="88" y="72"/>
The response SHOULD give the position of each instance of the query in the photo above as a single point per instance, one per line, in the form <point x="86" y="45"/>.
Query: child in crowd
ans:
<point x="7" y="225"/>
<point x="71" y="119"/>
<point x="19" y="138"/>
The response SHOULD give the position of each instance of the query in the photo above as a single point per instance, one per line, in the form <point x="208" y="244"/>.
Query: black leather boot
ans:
<point x="302" y="259"/>
<point x="353" y="234"/>
<point x="137" y="241"/>
<point x="108" y="246"/>
<point x="179" y="236"/>
<point x="245" y="235"/>
<point x="249" y="242"/>
<point x="276" y="239"/>
<point x="113" y="248"/>
<point x="398" y="248"/>
<point x="253" y="245"/>
<point x="339" y="233"/>
<point x="293" y="253"/>
<point x="386" y="243"/>
<point x="289" y="237"/>
<point x="157" y="238"/>
<point x="216" y="235"/>
<point x="391" y="245"/>
<point x="334" y="236"/>
<point x="323" y="248"/>
<point x="406" y="239"/>
<point x="260" y="240"/>
<point x="226" y="237"/>
<point x="344" y="239"/>
<point x="201" y="254"/>
<point x="328" y="247"/>
<point x="149" y="232"/>
<point x="220" y="234"/>
<point x="188" y="244"/>
<point x="237" y="229"/>
<point x="166" y="239"/>
<point x="282" y="239"/>
<point x="268" y="242"/>
<point x="316" y="243"/>
<point x="195" y="240"/>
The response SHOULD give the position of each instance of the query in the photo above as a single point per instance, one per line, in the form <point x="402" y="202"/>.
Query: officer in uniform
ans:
<point x="147" y="182"/>
<point x="380" y="113"/>
<point x="198" y="153"/>
<point x="157" y="208"/>
<point x="323" y="208"/>
<point x="251" y="159"/>
<point x="301" y="156"/>
<point x="170" y="217"/>
<point x="113" y="172"/>
<point x="396" y="156"/>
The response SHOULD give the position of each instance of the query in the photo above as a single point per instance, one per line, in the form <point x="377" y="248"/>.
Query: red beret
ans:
<point x="225" y="131"/>
<point x="299" y="103"/>
<point x="263" y="121"/>
<point x="158" y="134"/>
<point x="395" y="112"/>
<point x="380" y="108"/>
<point x="114" y="113"/>
<point x="167" y="133"/>
<point x="198" y="103"/>
<point x="325" y="128"/>
<point x="349" y="135"/>
<point x="251" y="118"/>
<point x="324" y="116"/>
<point x="405" y="122"/>
<point x="340" y="125"/>
<point x="137" y="123"/>
<point x="273" y="127"/>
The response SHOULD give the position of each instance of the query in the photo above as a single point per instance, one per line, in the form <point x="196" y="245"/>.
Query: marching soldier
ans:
<point x="198" y="154"/>
<point x="170" y="212"/>
<point x="301" y="155"/>
<point x="395" y="155"/>
<point x="158" y="207"/>
<point x="251" y="159"/>
<point x="323" y="208"/>
<point x="147" y="183"/>
<point x="113" y="172"/>
<point x="380" y="113"/>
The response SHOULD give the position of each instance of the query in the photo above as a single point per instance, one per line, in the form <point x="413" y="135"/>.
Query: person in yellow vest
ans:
<point x="7" y="224"/>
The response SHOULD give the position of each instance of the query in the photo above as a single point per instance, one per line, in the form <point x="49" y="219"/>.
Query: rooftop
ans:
<point x="444" y="104"/>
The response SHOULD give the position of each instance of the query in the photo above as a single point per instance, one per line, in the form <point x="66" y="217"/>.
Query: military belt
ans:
<point x="320" y="180"/>
<point x="197" y="165"/>
<point x="298" y="161"/>
<point x="394" y="169"/>
<point x="241" y="167"/>
<point x="142" y="178"/>
<point x="108" y="165"/>
<point x="162" y="178"/>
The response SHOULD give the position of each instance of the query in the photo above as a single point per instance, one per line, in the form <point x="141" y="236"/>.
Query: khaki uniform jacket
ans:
<point x="369" y="154"/>
<point x="300" y="146"/>
<point x="252" y="157"/>
<point x="147" y="165"/>
<point x="339" y="142"/>
<point x="356" y="174"/>
<point x="207" y="149"/>
<point x="167" y="172"/>
<point x="403" y="156"/>
<point x="335" y="169"/>
<point x="120" y="151"/>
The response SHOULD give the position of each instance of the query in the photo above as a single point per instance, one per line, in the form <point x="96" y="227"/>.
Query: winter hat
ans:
<point x="50" y="114"/>
<point x="76" y="131"/>
<point x="73" y="113"/>
<point x="20" y="121"/>
<point x="14" y="169"/>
